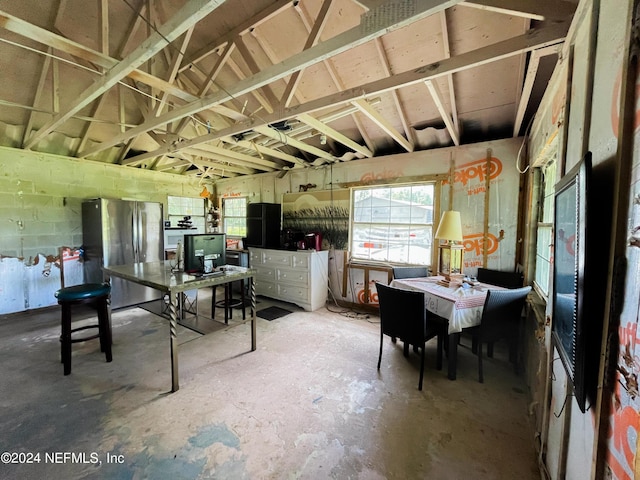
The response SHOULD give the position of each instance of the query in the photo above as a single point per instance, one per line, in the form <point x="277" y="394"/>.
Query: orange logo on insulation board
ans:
<point x="474" y="243"/>
<point x="477" y="169"/>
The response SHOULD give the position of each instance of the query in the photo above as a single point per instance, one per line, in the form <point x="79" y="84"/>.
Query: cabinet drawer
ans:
<point x="274" y="257"/>
<point x="266" y="288"/>
<point x="300" y="260"/>
<point x="293" y="294"/>
<point x="256" y="257"/>
<point x="265" y="273"/>
<point x="297" y="277"/>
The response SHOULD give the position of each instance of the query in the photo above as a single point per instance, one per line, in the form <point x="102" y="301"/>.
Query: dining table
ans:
<point x="163" y="276"/>
<point x="460" y="305"/>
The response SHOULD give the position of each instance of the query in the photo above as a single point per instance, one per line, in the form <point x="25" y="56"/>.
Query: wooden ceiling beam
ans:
<point x="237" y="159"/>
<point x="532" y="70"/>
<point x="264" y="150"/>
<point x="334" y="76"/>
<point x="255" y="69"/>
<point x="272" y="10"/>
<point x="334" y="134"/>
<point x="175" y="63"/>
<point x="84" y="137"/>
<point x="44" y="73"/>
<point x="193" y="12"/>
<point x="287" y="140"/>
<point x="104" y="26"/>
<point x="255" y="93"/>
<point x="533" y="9"/>
<point x="59" y="42"/>
<point x="383" y="123"/>
<point x="394" y="93"/>
<point x="349" y="39"/>
<point x="534" y="39"/>
<point x="447" y="54"/>
<point x="312" y="39"/>
<point x="210" y="160"/>
<point x="448" y="121"/>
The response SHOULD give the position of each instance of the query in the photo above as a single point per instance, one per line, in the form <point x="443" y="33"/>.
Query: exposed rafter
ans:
<point x="448" y="120"/>
<point x="383" y="123"/>
<point x="338" y="44"/>
<point x="532" y="70"/>
<point x="532" y="40"/>
<point x="272" y="86"/>
<point x="194" y="11"/>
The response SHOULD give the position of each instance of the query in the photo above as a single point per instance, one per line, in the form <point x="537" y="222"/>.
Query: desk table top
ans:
<point x="161" y="276"/>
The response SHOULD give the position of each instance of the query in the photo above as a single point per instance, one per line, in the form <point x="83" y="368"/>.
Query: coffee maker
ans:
<point x="289" y="239"/>
<point x="313" y="241"/>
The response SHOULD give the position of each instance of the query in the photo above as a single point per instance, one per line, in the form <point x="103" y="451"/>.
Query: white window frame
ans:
<point x="544" y="231"/>
<point x="180" y="207"/>
<point x="229" y="213"/>
<point x="413" y="252"/>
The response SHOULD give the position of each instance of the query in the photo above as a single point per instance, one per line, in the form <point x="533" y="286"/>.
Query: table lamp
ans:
<point x="451" y="251"/>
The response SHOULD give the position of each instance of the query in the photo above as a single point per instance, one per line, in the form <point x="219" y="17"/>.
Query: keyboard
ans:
<point x="209" y="274"/>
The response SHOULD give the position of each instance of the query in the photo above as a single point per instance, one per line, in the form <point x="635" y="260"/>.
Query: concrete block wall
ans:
<point x="41" y="197"/>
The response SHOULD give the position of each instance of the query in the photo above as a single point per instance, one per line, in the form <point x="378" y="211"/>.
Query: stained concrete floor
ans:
<point x="309" y="403"/>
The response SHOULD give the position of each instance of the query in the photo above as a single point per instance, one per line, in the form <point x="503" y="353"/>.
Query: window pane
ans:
<point x="234" y="212"/>
<point x="393" y="224"/>
<point x="544" y="233"/>
<point x="180" y="207"/>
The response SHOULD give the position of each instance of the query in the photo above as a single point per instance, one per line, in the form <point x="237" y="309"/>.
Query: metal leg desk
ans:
<point x="158" y="275"/>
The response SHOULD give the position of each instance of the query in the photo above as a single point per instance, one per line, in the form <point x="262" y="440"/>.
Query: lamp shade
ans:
<point x="450" y="227"/>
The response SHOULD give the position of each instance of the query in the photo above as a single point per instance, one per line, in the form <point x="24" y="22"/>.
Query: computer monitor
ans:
<point x="204" y="252"/>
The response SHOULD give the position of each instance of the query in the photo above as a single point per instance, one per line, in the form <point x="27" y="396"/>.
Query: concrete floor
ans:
<point x="309" y="403"/>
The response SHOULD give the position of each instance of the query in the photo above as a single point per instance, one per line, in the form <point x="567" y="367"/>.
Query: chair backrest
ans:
<point x="502" y="310"/>
<point x="410" y="272"/>
<point x="402" y="313"/>
<point x="500" y="278"/>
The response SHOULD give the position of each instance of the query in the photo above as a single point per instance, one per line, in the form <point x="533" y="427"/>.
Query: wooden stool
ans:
<point x="97" y="293"/>
<point x="228" y="303"/>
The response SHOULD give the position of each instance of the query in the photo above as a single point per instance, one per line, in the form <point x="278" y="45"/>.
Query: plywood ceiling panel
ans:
<point x="362" y="73"/>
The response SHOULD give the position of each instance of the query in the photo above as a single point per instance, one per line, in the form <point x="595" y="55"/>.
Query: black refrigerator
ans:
<point x="121" y="232"/>
<point x="263" y="225"/>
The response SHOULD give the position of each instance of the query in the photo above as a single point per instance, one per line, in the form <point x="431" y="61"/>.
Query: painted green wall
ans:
<point x="41" y="197"/>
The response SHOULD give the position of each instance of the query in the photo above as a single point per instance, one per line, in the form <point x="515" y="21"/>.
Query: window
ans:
<point x="234" y="212"/>
<point x="545" y="228"/>
<point x="180" y="207"/>
<point x="393" y="223"/>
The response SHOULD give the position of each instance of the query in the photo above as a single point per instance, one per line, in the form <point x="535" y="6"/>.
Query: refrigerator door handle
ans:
<point x="141" y="234"/>
<point x="134" y="232"/>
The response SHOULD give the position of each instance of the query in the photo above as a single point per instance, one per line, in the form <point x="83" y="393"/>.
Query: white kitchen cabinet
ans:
<point x="299" y="277"/>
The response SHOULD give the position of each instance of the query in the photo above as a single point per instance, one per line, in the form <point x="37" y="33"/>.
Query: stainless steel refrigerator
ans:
<point x="121" y="232"/>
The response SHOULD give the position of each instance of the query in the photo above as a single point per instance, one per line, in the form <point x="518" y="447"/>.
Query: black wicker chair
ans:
<point x="403" y="315"/>
<point x="500" y="278"/>
<point x="410" y="272"/>
<point x="500" y="319"/>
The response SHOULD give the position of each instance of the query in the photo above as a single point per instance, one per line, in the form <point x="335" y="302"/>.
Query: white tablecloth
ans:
<point x="461" y="306"/>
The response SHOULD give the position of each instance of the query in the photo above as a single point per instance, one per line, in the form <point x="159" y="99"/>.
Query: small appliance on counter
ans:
<point x="310" y="241"/>
<point x="289" y="239"/>
<point x="313" y="241"/>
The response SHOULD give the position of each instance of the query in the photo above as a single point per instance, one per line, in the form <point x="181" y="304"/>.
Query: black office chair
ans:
<point x="500" y="278"/>
<point x="403" y="315"/>
<point x="500" y="319"/>
<point x="410" y="272"/>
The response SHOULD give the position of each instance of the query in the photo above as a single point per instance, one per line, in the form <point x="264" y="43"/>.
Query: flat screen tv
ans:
<point x="581" y="238"/>
<point x="204" y="252"/>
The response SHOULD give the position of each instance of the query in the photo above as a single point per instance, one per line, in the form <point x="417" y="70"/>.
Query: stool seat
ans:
<point x="95" y="293"/>
<point x="82" y="292"/>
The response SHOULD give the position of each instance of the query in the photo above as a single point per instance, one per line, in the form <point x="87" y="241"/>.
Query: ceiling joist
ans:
<point x="335" y="45"/>
<point x="538" y="38"/>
